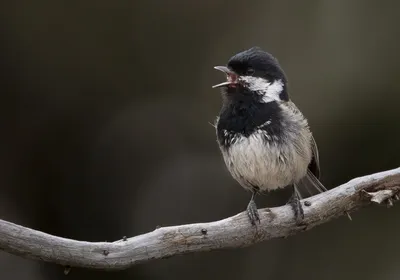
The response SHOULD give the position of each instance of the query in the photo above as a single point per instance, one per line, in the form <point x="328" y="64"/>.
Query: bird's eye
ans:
<point x="250" y="71"/>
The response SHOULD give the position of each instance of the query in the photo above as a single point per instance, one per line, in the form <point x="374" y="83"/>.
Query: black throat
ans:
<point x="246" y="116"/>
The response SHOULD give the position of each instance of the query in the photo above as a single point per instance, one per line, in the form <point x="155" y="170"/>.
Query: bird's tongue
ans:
<point x="230" y="77"/>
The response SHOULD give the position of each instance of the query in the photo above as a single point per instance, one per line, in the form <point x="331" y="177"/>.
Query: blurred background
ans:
<point x="105" y="127"/>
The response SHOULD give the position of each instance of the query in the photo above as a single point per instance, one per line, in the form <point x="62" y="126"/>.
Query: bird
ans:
<point x="265" y="140"/>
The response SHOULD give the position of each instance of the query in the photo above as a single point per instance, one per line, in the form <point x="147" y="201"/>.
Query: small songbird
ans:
<point x="265" y="140"/>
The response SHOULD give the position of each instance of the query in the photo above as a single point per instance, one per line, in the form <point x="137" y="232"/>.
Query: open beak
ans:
<point x="231" y="77"/>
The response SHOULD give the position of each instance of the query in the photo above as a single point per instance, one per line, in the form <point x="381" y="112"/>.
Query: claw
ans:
<point x="252" y="212"/>
<point x="294" y="202"/>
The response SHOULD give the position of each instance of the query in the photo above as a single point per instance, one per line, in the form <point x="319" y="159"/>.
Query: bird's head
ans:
<point x="254" y="74"/>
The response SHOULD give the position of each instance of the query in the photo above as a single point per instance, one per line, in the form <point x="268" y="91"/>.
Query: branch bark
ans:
<point x="232" y="232"/>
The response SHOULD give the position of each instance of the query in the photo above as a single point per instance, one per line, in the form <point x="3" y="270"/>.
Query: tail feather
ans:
<point x="310" y="185"/>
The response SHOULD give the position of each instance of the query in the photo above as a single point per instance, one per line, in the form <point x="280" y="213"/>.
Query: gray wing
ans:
<point x="311" y="181"/>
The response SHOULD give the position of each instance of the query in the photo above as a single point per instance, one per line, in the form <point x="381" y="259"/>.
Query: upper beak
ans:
<point x="230" y="76"/>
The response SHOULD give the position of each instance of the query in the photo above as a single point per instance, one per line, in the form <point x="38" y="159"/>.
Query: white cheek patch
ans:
<point x="269" y="91"/>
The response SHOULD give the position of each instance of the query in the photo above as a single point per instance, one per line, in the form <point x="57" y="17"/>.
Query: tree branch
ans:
<point x="232" y="232"/>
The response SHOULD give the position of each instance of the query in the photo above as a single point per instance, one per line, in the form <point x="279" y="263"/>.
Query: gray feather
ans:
<point x="311" y="183"/>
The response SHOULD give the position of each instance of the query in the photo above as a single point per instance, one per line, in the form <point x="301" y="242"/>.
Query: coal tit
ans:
<point x="265" y="140"/>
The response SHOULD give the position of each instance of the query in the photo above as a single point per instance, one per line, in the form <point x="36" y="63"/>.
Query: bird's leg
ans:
<point x="252" y="210"/>
<point x="294" y="201"/>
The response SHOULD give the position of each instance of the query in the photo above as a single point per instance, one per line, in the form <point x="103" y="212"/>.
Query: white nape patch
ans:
<point x="269" y="91"/>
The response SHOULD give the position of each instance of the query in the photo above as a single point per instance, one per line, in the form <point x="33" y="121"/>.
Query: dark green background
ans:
<point x="105" y="110"/>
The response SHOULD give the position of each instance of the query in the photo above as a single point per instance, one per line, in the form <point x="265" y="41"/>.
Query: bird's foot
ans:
<point x="252" y="212"/>
<point x="295" y="203"/>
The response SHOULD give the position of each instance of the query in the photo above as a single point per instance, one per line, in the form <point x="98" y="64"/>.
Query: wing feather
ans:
<point x="313" y="173"/>
<point x="310" y="183"/>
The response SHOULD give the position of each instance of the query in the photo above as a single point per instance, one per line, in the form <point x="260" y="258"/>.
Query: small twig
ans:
<point x="232" y="232"/>
<point x="380" y="196"/>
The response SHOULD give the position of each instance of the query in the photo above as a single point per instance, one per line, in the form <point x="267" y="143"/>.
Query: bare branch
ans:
<point x="233" y="232"/>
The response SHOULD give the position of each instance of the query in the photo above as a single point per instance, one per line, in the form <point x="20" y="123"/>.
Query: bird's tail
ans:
<point x="309" y="186"/>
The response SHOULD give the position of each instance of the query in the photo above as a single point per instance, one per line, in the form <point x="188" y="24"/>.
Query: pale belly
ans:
<point x="253" y="162"/>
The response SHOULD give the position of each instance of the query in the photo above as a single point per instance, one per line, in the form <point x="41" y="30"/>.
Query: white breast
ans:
<point x="269" y="165"/>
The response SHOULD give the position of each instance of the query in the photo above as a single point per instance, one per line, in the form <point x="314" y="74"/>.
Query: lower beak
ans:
<point x="230" y="76"/>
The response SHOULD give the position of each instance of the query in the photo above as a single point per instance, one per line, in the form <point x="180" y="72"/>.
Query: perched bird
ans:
<point x="265" y="140"/>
